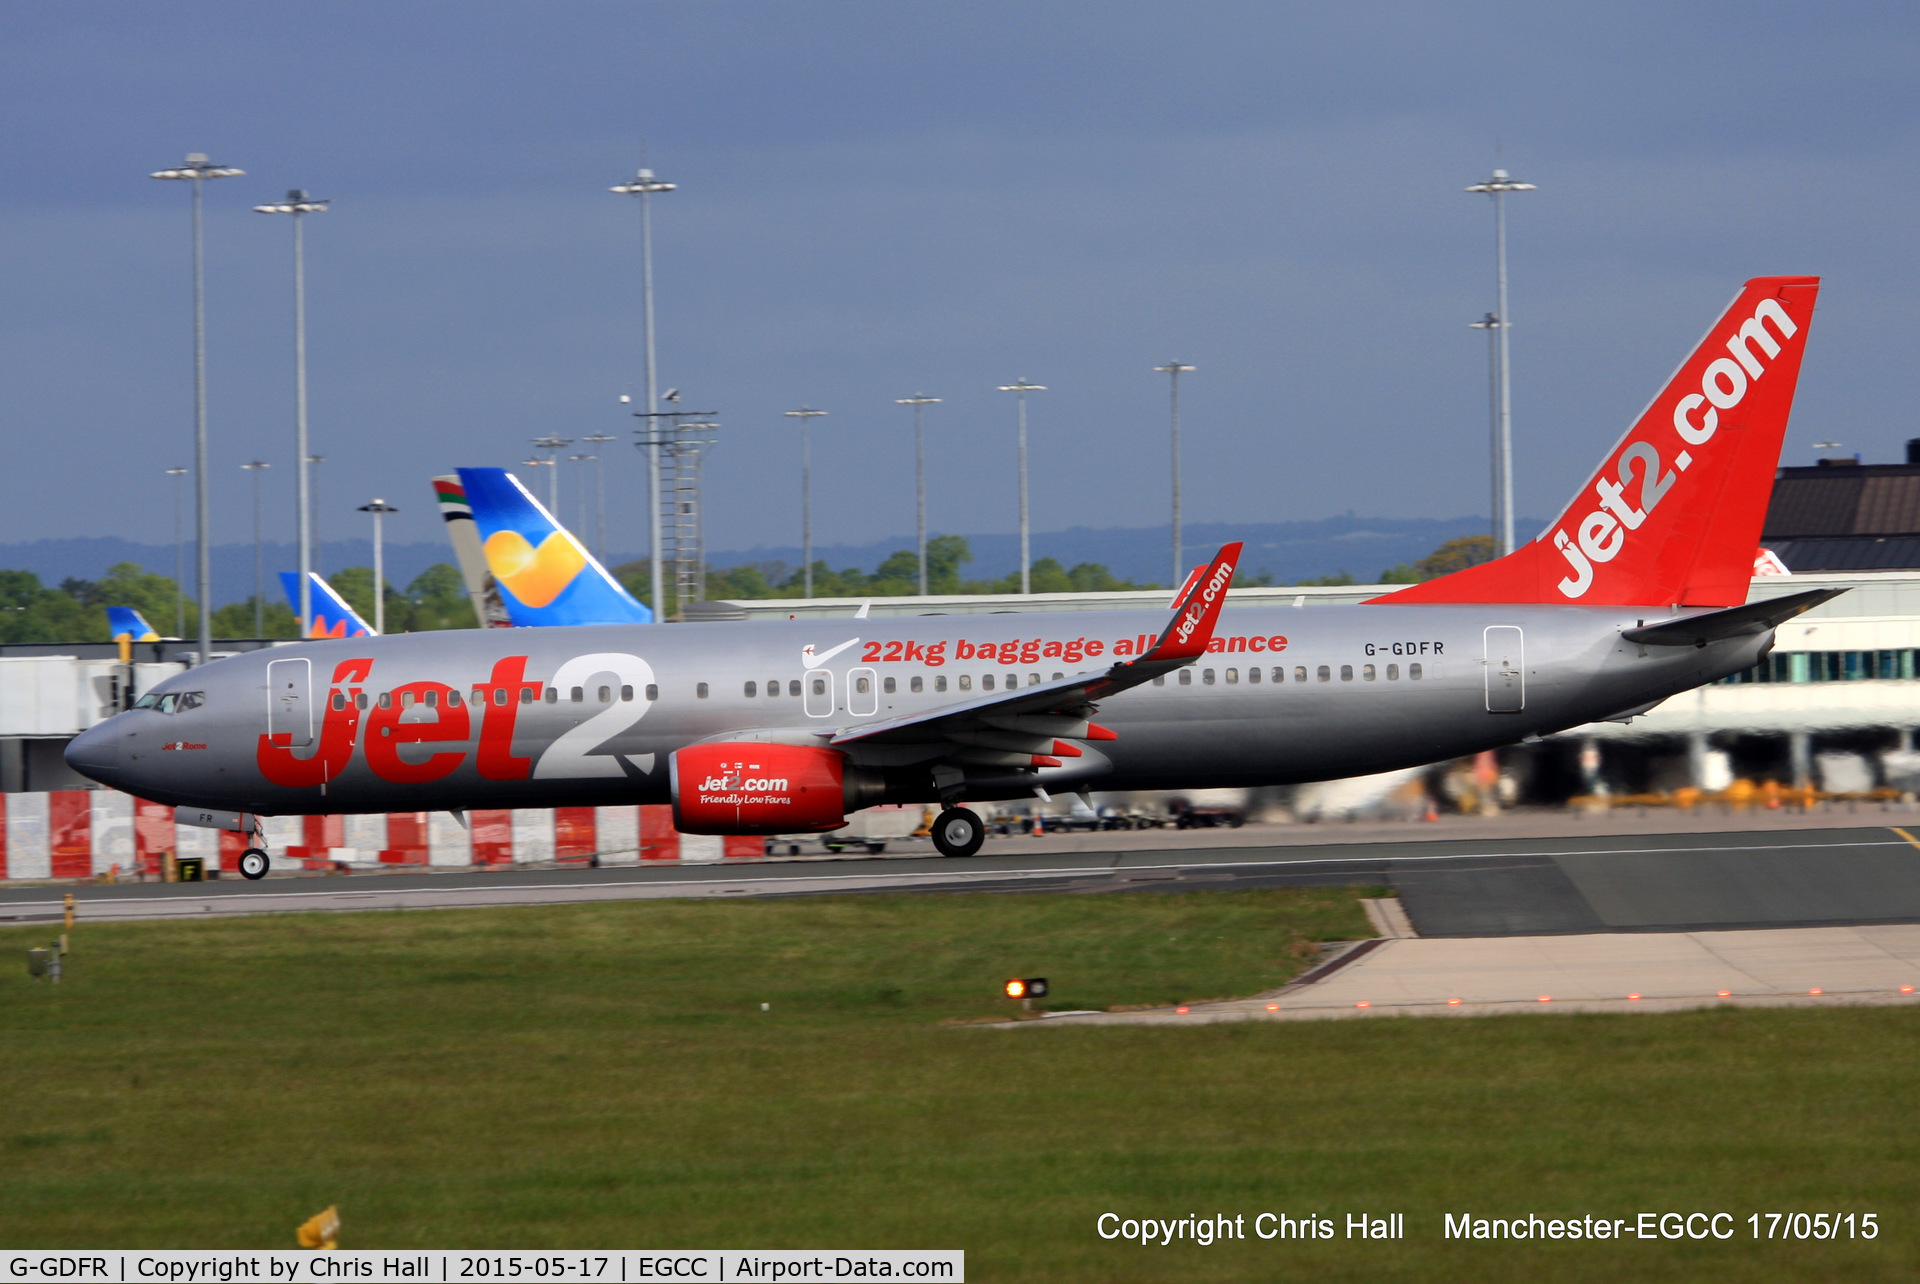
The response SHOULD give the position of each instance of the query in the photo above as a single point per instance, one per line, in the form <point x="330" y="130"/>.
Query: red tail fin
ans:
<point x="1675" y="512"/>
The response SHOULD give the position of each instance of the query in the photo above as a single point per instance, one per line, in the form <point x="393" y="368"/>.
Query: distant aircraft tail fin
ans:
<point x="465" y="538"/>
<point x="332" y="617"/>
<point x="125" y="622"/>
<point x="545" y="575"/>
<point x="1674" y="514"/>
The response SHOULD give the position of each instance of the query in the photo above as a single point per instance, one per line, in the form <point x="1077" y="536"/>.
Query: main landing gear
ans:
<point x="253" y="864"/>
<point x="958" y="832"/>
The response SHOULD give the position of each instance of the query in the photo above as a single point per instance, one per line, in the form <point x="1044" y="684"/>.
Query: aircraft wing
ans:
<point x="1025" y="728"/>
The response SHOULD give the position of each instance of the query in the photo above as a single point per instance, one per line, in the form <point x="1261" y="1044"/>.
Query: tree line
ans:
<point x="75" y="609"/>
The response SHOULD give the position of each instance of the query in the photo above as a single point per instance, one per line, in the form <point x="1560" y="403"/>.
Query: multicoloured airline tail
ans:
<point x="332" y="617"/>
<point x="125" y="622"/>
<point x="1673" y="517"/>
<point x="545" y="575"/>
<point x="481" y="586"/>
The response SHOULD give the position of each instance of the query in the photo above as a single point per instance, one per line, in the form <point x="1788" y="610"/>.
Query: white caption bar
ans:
<point x="626" y="1266"/>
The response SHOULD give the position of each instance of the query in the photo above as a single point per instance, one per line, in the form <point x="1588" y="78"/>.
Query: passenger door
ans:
<point x="290" y="702"/>
<point x="1506" y="669"/>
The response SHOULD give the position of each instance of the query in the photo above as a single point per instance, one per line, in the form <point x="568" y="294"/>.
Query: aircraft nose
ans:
<point x="95" y="753"/>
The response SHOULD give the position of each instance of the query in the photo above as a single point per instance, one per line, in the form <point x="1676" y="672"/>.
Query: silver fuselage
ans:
<point x="1336" y="695"/>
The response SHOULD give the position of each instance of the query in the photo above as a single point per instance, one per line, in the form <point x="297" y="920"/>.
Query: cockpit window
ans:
<point x="171" y="701"/>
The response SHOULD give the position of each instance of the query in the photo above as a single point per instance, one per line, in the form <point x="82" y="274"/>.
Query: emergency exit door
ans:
<point x="290" y="702"/>
<point x="1506" y="669"/>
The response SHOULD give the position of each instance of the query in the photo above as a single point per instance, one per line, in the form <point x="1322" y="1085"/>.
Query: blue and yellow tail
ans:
<point x="125" y="622"/>
<point x="546" y="576"/>
<point x="332" y="617"/>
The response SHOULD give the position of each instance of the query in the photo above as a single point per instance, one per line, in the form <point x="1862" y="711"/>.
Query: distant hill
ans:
<point x="1362" y="546"/>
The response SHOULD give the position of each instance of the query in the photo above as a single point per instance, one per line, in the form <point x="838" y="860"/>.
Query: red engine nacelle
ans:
<point x="744" y="788"/>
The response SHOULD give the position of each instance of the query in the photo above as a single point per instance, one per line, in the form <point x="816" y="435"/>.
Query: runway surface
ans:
<point x="1471" y="886"/>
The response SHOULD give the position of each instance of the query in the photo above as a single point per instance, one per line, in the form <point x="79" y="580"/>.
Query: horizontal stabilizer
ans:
<point x="1737" y="622"/>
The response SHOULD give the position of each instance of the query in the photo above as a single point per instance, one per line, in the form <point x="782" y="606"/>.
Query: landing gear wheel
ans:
<point x="958" y="832"/>
<point x="253" y="864"/>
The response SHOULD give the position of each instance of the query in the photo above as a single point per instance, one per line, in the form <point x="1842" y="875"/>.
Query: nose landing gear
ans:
<point x="958" y="832"/>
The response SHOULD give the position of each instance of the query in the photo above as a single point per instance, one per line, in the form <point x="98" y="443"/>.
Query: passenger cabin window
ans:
<point x="606" y="694"/>
<point x="966" y="682"/>
<point x="986" y="682"/>
<point x="386" y="699"/>
<point x="1324" y="674"/>
<point x="500" y="695"/>
<point x="699" y="690"/>
<point x="626" y="693"/>
<point x="753" y="690"/>
<point x="1366" y="671"/>
<point x="1413" y="672"/>
<point x="1346" y="673"/>
<point x="361" y="700"/>
<point x="1233" y="676"/>
<point x="793" y="687"/>
<point x="773" y="688"/>
<point x="553" y="695"/>
<point x="1160" y="680"/>
<point x="1206" y="676"/>
<point x="939" y="682"/>
<point x="1393" y="673"/>
<point x="433" y="699"/>
<point x="915" y="685"/>
<point x="861" y="685"/>
<point x="1300" y="673"/>
<point x="1186" y="677"/>
<point x="453" y="699"/>
<point x="819" y="686"/>
<point x="653" y="691"/>
<point x="1253" y="675"/>
<point x="577" y="694"/>
<point x="888" y="685"/>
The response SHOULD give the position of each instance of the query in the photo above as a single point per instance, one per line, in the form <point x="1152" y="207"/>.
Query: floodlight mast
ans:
<point x="197" y="170"/>
<point x="1175" y="369"/>
<point x="379" y="508"/>
<point x="600" y="492"/>
<point x="553" y="446"/>
<point x="1021" y="388"/>
<point x="1497" y="187"/>
<point x="806" y="418"/>
<point x="299" y="204"/>
<point x="917" y="401"/>
<point x="1491" y="324"/>
<point x="644" y="185"/>
<point x="259" y="571"/>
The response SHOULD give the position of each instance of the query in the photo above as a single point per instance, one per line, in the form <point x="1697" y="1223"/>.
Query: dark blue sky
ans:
<point x="878" y="199"/>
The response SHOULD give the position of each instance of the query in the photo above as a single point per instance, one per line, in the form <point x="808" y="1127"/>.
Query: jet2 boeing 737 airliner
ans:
<point x="1637" y="592"/>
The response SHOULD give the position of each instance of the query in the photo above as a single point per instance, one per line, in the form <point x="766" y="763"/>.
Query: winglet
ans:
<point x="1197" y="612"/>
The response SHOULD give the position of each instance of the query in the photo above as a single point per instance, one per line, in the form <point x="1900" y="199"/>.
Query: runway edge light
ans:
<point x="1030" y="987"/>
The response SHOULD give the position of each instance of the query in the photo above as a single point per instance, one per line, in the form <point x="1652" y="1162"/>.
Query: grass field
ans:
<point x="604" y="1075"/>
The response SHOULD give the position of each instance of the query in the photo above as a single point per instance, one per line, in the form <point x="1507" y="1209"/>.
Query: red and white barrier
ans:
<point x="80" y="833"/>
